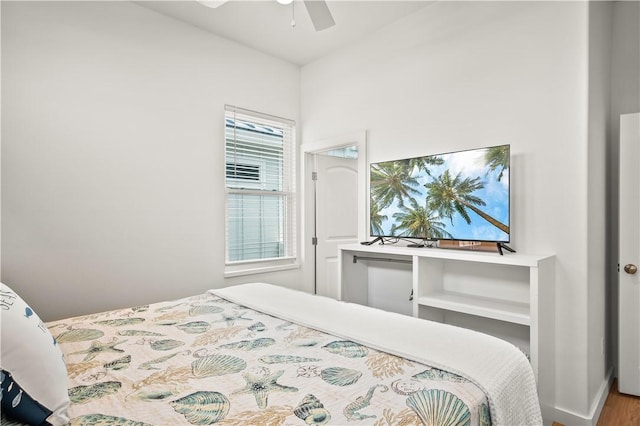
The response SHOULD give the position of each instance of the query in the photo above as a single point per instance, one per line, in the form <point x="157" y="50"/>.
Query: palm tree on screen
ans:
<point x="450" y="195"/>
<point x="419" y="221"/>
<point x="376" y="219"/>
<point x="497" y="157"/>
<point x="424" y="163"/>
<point x="392" y="180"/>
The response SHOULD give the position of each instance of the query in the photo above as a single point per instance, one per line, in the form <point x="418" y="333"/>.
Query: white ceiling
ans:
<point x="265" y="25"/>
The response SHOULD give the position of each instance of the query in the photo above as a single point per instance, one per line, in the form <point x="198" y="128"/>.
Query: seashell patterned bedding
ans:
<point x="206" y="360"/>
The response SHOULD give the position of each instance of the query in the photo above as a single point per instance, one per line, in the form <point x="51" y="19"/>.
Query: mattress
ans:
<point x="260" y="354"/>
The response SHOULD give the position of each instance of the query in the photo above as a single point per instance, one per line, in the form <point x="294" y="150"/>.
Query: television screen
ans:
<point x="460" y="195"/>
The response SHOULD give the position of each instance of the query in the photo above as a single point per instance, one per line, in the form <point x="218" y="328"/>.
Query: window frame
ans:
<point x="289" y="259"/>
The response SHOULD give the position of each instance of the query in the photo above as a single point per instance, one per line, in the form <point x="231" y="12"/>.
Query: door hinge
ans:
<point x="314" y="175"/>
<point x="314" y="241"/>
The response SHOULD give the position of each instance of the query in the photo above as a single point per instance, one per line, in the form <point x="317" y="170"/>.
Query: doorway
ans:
<point x="335" y="207"/>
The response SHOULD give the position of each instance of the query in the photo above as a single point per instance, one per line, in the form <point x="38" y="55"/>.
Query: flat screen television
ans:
<point x="461" y="195"/>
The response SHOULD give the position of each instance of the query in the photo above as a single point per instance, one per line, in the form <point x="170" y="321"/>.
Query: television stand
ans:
<point x="504" y="246"/>
<point x="368" y="243"/>
<point x="511" y="297"/>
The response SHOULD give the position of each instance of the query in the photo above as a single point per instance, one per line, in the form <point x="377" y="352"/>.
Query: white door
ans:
<point x="336" y="216"/>
<point x="629" y="278"/>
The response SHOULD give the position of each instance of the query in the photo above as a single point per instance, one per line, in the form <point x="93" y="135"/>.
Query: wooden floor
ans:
<point x="619" y="409"/>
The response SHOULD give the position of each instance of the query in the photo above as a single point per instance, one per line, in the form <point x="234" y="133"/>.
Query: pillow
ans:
<point x="33" y="376"/>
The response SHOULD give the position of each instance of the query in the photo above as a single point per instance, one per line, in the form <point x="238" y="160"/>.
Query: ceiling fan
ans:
<point x="318" y="10"/>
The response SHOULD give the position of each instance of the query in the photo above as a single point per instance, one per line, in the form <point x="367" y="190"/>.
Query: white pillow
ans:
<point x="34" y="376"/>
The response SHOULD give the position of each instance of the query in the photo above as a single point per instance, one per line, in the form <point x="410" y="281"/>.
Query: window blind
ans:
<point x="259" y="186"/>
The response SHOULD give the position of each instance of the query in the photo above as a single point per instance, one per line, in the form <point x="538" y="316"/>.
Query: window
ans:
<point x="260" y="191"/>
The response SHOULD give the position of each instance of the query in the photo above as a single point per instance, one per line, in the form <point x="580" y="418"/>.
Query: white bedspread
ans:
<point x="496" y="366"/>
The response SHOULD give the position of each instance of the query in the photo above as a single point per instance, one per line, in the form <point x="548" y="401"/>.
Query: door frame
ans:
<point x="307" y="222"/>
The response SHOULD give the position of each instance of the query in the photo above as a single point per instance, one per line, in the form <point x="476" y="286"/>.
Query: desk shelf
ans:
<point x="514" y="312"/>
<point x="515" y="290"/>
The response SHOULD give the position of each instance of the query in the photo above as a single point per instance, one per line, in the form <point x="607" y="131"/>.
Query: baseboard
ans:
<point x="601" y="396"/>
<point x="569" y="418"/>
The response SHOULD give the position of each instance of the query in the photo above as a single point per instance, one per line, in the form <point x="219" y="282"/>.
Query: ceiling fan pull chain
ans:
<point x="293" y="14"/>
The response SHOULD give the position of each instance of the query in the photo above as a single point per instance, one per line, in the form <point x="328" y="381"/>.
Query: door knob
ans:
<point x="630" y="269"/>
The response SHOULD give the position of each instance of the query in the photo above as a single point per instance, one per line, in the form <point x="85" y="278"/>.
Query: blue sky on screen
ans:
<point x="495" y="194"/>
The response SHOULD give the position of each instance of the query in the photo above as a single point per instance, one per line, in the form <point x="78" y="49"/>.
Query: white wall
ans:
<point x="459" y="75"/>
<point x="112" y="152"/>
<point x="600" y="42"/>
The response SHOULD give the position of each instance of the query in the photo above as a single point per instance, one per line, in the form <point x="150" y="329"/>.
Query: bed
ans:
<point x="260" y="354"/>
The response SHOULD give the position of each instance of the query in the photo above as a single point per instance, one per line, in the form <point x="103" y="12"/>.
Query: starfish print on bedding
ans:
<point x="261" y="385"/>
<point x="97" y="348"/>
<point x="231" y="318"/>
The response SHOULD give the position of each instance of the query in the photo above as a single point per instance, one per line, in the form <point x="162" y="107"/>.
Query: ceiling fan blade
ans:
<point x="319" y="14"/>
<point x="213" y="4"/>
